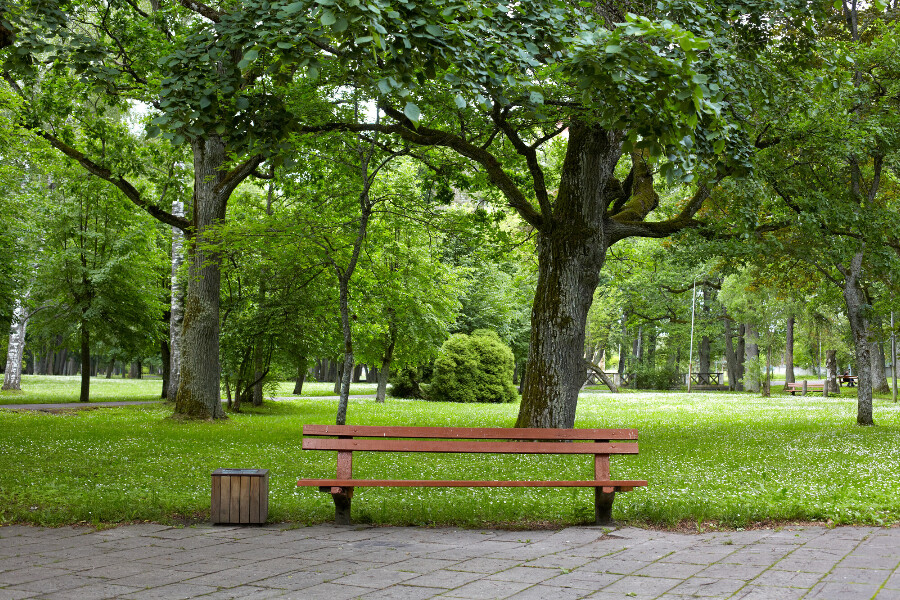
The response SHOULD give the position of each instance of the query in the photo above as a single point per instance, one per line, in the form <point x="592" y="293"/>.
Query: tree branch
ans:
<point x="202" y="9"/>
<point x="530" y="155"/>
<point x="238" y="174"/>
<point x="423" y="136"/>
<point x="125" y="186"/>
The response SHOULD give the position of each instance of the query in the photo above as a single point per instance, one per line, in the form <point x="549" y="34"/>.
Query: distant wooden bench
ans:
<point x="850" y="380"/>
<point x="793" y="388"/>
<point x="601" y="443"/>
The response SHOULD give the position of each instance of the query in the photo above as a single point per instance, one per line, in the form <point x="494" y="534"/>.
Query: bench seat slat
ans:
<point x="495" y="433"/>
<point x="454" y="483"/>
<point x="469" y="446"/>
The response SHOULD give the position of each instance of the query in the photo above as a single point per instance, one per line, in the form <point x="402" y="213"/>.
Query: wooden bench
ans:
<point x="793" y="388"/>
<point x="345" y="439"/>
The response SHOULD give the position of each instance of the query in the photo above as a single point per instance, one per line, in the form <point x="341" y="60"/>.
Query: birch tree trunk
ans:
<point x="176" y="312"/>
<point x="12" y="377"/>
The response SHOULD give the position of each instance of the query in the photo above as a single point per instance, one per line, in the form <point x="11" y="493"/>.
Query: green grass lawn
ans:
<point x="41" y="389"/>
<point x="729" y="459"/>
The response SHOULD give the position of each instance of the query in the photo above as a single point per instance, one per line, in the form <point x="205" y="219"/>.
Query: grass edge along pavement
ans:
<point x="728" y="459"/>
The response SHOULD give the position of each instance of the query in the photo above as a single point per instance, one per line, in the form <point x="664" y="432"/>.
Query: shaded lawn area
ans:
<point x="733" y="459"/>
<point x="52" y="389"/>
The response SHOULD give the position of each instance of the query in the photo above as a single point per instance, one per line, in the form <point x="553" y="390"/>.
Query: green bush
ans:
<point x="476" y="368"/>
<point x="648" y="377"/>
<point x="405" y="384"/>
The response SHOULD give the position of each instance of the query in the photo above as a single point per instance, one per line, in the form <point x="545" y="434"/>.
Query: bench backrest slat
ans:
<point x="419" y="445"/>
<point x="488" y="433"/>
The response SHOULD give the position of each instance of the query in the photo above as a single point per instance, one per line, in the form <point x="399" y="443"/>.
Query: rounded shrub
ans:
<point x="473" y="368"/>
<point x="405" y="384"/>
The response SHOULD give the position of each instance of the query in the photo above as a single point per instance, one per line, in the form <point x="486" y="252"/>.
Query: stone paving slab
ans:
<point x="147" y="562"/>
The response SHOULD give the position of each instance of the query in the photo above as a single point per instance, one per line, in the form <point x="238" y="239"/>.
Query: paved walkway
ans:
<point x="148" y="561"/>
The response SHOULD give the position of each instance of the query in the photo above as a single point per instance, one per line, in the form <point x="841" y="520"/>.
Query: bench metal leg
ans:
<point x="603" y="502"/>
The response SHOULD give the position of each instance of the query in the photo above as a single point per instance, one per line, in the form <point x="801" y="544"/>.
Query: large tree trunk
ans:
<point x="571" y="245"/>
<point x="789" y="352"/>
<point x="855" y="300"/>
<point x="12" y="376"/>
<point x="85" y="363"/>
<point x="176" y="310"/>
<point x="879" y="374"/>
<point x="199" y="380"/>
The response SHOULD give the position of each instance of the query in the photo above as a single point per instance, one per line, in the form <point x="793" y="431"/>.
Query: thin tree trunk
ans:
<point x="789" y="352"/>
<point x="752" y="353"/>
<point x="384" y="372"/>
<point x="831" y="371"/>
<point x="12" y="376"/>
<point x="854" y="298"/>
<point x="338" y="376"/>
<point x="176" y="309"/>
<point x="732" y="360"/>
<point x="85" y="363"/>
<point x="166" y="359"/>
<point x="302" y="368"/>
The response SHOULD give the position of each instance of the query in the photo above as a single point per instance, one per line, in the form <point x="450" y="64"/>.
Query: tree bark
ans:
<point x="302" y="368"/>
<point x="85" y="362"/>
<point x="789" y="352"/>
<point x="572" y="245"/>
<point x="12" y="376"/>
<point x="751" y="374"/>
<point x="879" y="373"/>
<point x="384" y="372"/>
<point x="831" y="370"/>
<point x="855" y="300"/>
<point x="176" y="310"/>
<point x="166" y="365"/>
<point x="199" y="380"/>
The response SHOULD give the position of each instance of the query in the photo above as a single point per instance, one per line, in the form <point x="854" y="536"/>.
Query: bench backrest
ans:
<point x="470" y="439"/>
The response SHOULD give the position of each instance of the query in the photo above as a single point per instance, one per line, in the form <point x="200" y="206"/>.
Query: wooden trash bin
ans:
<point x="240" y="496"/>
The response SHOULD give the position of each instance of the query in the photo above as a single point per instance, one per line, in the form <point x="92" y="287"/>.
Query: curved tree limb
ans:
<point x="124" y="185"/>
<point x="599" y="373"/>
<point x="424" y="136"/>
